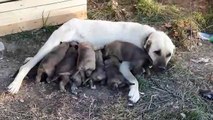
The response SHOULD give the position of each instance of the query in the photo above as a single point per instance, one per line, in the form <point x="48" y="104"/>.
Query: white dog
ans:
<point x="100" y="33"/>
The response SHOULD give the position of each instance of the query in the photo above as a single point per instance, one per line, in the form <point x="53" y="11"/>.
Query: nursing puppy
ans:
<point x="99" y="73"/>
<point x="86" y="59"/>
<point x="67" y="64"/>
<point x="100" y="33"/>
<point x="124" y="51"/>
<point x="115" y="79"/>
<point x="49" y="63"/>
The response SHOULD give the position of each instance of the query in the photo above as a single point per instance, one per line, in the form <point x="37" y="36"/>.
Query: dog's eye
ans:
<point x="158" y="52"/>
<point x="168" y="55"/>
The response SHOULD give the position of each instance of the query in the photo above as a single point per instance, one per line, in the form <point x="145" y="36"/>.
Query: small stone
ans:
<point x="2" y="48"/>
<point x="21" y="100"/>
<point x="200" y="44"/>
<point x="183" y="115"/>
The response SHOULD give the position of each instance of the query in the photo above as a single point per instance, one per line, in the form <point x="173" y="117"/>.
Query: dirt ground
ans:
<point x="168" y="95"/>
<point x="172" y="95"/>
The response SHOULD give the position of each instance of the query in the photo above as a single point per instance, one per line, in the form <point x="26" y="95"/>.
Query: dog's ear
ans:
<point x="147" y="45"/>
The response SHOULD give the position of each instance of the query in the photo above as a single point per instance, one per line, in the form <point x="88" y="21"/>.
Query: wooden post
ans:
<point x="22" y="15"/>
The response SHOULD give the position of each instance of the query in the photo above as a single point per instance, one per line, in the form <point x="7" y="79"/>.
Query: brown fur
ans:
<point x="49" y="62"/>
<point x="86" y="60"/>
<point x="99" y="73"/>
<point x="67" y="64"/>
<point x="115" y="79"/>
<point x="125" y="51"/>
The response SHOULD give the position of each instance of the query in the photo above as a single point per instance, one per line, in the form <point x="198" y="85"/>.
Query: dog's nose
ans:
<point x="162" y="68"/>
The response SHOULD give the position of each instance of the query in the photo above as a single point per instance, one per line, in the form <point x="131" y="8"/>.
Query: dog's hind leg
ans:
<point x="50" y="74"/>
<point x="134" y="94"/>
<point x="57" y="36"/>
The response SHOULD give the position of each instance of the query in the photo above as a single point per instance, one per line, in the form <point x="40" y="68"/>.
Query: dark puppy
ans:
<point x="99" y="73"/>
<point x="125" y="51"/>
<point x="50" y="61"/>
<point x="66" y="65"/>
<point x="115" y="79"/>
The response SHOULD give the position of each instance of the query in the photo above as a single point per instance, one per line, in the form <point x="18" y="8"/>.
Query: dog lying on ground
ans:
<point x="115" y="79"/>
<point x="99" y="73"/>
<point x="100" y="33"/>
<point x="49" y="63"/>
<point x="124" y="51"/>
<point x="66" y="65"/>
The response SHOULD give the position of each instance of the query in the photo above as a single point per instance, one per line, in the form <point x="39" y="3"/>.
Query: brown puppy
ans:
<point x="115" y="79"/>
<point x="86" y="60"/>
<point x="50" y="61"/>
<point x="67" y="64"/>
<point x="99" y="73"/>
<point x="125" y="51"/>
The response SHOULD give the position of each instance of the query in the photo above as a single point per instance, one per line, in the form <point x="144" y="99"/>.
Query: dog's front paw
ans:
<point x="14" y="87"/>
<point x="134" y="94"/>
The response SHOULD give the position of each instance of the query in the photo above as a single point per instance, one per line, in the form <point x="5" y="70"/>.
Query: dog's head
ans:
<point x="160" y="49"/>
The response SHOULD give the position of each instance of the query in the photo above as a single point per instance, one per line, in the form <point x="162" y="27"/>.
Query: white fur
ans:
<point x="166" y="46"/>
<point x="99" y="33"/>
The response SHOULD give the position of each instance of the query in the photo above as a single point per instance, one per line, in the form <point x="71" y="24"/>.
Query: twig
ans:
<point x="150" y="102"/>
<point x="93" y="100"/>
<point x="168" y="91"/>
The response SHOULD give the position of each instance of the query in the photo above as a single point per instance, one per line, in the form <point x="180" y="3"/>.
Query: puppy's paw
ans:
<point x="134" y="94"/>
<point x="63" y="90"/>
<point x="93" y="87"/>
<point x="74" y="89"/>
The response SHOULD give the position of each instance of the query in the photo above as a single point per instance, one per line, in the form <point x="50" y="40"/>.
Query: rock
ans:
<point x="21" y="100"/>
<point x="2" y="48"/>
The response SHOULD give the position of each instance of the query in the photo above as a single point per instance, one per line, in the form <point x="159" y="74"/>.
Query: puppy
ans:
<point x="49" y="63"/>
<point x="125" y="51"/>
<point x="85" y="65"/>
<point x="86" y="60"/>
<point x="115" y="79"/>
<point x="99" y="73"/>
<point x="67" y="64"/>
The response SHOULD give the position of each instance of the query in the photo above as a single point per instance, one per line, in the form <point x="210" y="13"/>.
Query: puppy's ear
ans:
<point x="147" y="45"/>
